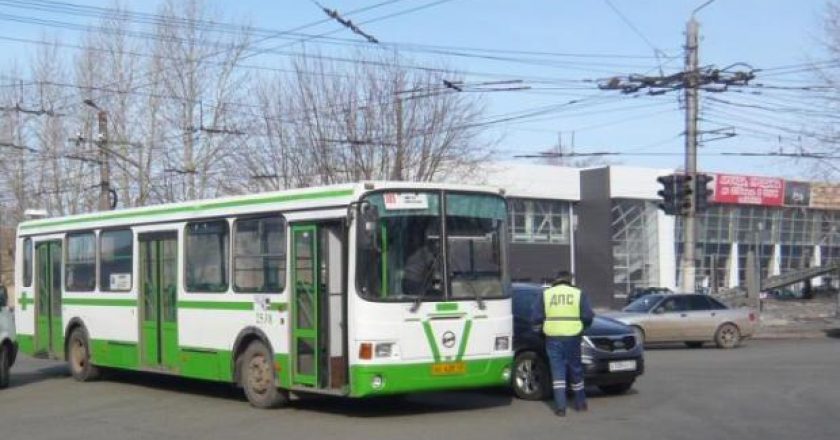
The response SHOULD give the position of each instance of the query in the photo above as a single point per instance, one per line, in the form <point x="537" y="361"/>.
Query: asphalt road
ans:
<point x="764" y="390"/>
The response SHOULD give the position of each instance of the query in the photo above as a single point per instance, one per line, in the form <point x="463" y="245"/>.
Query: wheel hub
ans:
<point x="259" y="374"/>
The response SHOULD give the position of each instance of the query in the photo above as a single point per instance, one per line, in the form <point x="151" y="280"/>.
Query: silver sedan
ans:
<point x="693" y="319"/>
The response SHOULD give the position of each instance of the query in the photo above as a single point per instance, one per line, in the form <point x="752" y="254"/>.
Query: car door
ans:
<point x="666" y="320"/>
<point x="700" y="320"/>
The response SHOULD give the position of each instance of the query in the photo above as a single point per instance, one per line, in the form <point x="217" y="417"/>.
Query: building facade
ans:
<point x="604" y="225"/>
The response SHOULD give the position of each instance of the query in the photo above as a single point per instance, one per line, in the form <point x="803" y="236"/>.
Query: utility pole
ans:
<point x="687" y="263"/>
<point x="104" y="165"/>
<point x="397" y="173"/>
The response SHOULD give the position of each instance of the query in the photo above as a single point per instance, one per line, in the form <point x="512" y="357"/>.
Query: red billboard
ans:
<point x="749" y="190"/>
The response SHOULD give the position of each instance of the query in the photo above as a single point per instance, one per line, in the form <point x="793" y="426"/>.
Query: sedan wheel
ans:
<point x="727" y="336"/>
<point x="531" y="378"/>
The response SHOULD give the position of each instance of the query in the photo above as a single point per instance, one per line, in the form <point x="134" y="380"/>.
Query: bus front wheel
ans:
<point x="259" y="378"/>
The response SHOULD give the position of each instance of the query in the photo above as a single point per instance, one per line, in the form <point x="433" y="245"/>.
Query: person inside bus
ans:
<point x="421" y="267"/>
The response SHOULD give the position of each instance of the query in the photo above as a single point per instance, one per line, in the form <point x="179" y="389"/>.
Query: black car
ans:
<point x="612" y="356"/>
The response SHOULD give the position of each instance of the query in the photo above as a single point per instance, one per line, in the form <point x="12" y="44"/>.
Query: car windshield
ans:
<point x="400" y="251"/>
<point x="643" y="304"/>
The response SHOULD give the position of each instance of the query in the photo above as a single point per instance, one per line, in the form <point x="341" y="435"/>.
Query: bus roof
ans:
<point x="320" y="197"/>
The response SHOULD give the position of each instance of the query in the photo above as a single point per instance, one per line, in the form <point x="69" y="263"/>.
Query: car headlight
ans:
<point x="587" y="342"/>
<point x="502" y="343"/>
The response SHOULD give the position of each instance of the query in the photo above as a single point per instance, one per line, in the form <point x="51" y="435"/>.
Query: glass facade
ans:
<point x="539" y="221"/>
<point x="634" y="245"/>
<point x="760" y="228"/>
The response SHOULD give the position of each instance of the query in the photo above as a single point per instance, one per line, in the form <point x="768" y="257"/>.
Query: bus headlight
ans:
<point x="502" y="343"/>
<point x="385" y="349"/>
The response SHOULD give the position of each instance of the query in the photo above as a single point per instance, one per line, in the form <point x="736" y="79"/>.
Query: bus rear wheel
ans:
<point x="78" y="356"/>
<point x="259" y="378"/>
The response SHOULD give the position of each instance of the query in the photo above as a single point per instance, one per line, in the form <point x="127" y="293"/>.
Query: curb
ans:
<point x="790" y="335"/>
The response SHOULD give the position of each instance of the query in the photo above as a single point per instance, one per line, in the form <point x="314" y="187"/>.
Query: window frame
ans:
<point x="233" y="233"/>
<point x="186" y="253"/>
<point x="27" y="273"/>
<point x="68" y="264"/>
<point x="99" y="258"/>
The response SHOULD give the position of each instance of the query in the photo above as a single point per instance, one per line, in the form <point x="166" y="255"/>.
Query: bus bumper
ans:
<point x="388" y="379"/>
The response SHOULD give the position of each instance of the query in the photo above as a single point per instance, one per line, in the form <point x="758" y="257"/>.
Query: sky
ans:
<point x="582" y="43"/>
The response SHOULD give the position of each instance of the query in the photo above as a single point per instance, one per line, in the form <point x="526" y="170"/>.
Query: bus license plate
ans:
<point x="449" y="368"/>
<point x="622" y="366"/>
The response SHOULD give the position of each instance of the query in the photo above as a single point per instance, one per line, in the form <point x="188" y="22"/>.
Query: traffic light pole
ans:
<point x="687" y="262"/>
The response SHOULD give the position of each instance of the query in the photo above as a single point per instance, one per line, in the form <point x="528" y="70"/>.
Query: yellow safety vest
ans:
<point x="562" y="311"/>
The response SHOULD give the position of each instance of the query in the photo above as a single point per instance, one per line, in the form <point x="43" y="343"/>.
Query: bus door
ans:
<point x="49" y="336"/>
<point x="158" y="299"/>
<point x="318" y="305"/>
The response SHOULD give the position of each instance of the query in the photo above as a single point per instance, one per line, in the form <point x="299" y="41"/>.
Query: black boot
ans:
<point x="560" y="412"/>
<point x="581" y="406"/>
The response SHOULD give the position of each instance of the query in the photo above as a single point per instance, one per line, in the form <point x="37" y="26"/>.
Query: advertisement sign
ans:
<point x="797" y="193"/>
<point x="749" y="190"/>
<point x="825" y="196"/>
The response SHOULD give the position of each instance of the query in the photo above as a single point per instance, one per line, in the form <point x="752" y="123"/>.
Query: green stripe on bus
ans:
<point x="198" y="207"/>
<point x="109" y="302"/>
<point x="446" y="307"/>
<point x="464" y="338"/>
<point x="430" y="336"/>
<point x="216" y="305"/>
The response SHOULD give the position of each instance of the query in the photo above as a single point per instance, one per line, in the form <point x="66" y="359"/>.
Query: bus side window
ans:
<point x="80" y="263"/>
<point x="259" y="255"/>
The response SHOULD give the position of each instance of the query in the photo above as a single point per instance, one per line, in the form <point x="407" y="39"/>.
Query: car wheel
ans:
<point x="259" y="379"/>
<point x="615" y="389"/>
<point x="727" y="336"/>
<point x="694" y="344"/>
<point x="5" y="363"/>
<point x="78" y="356"/>
<point x="531" y="377"/>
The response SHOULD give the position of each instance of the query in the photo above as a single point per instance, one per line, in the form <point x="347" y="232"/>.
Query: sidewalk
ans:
<point x="798" y="319"/>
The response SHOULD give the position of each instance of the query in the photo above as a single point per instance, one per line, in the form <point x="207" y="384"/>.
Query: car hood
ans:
<point x="605" y="325"/>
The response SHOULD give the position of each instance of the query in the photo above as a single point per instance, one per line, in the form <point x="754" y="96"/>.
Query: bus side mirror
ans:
<point x="369" y="224"/>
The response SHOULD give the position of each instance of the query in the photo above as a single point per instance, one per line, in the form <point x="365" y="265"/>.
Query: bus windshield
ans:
<point x="401" y="250"/>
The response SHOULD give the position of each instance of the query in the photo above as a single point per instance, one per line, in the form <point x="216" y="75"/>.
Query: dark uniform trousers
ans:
<point x="564" y="351"/>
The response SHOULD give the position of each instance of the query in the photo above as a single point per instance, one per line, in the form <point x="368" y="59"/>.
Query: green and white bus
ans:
<point x="355" y="290"/>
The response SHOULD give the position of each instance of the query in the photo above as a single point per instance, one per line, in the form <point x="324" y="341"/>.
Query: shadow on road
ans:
<point x="372" y="407"/>
<point x="164" y="382"/>
<point x="391" y="406"/>
<point x="39" y="375"/>
<point x="833" y="333"/>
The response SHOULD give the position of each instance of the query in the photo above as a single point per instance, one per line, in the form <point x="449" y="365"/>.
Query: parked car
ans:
<point x="612" y="357"/>
<point x="644" y="291"/>
<point x="690" y="318"/>
<point x="8" y="343"/>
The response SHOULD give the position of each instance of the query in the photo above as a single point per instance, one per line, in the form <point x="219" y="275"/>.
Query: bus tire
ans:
<point x="5" y="365"/>
<point x="78" y="357"/>
<point x="258" y="377"/>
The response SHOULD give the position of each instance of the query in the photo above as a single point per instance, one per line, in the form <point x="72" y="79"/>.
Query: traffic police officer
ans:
<point x="564" y="314"/>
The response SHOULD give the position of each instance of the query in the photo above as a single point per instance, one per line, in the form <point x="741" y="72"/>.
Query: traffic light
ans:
<point x="668" y="193"/>
<point x="702" y="193"/>
<point x="685" y="191"/>
<point x="676" y="193"/>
